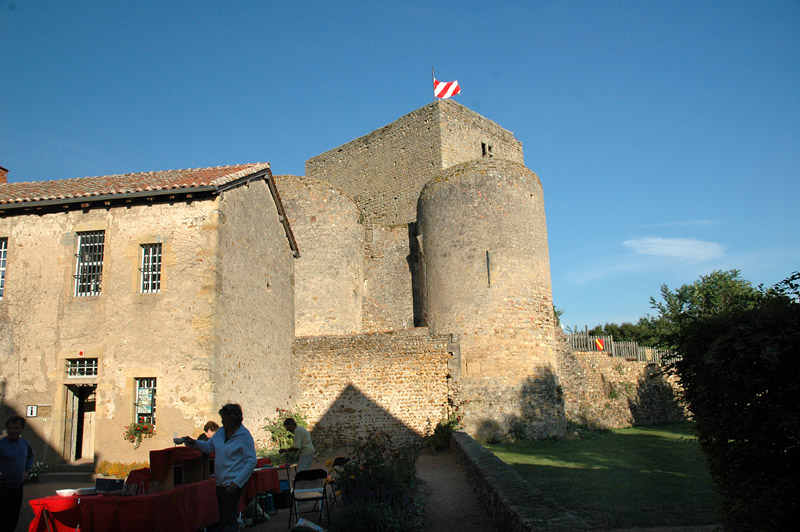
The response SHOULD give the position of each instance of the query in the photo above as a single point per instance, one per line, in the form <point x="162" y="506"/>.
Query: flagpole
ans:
<point x="433" y="84"/>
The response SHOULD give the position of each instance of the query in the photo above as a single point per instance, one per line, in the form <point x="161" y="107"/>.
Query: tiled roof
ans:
<point x="110" y="185"/>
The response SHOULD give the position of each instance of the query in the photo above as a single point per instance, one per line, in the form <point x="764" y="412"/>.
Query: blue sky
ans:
<point x="666" y="134"/>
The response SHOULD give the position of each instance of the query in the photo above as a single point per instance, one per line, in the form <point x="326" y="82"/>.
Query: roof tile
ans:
<point x="110" y="185"/>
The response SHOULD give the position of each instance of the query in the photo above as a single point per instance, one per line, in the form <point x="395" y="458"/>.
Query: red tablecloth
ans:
<point x="162" y="459"/>
<point x="140" y="478"/>
<point x="183" y="509"/>
<point x="260" y="482"/>
<point x="65" y="516"/>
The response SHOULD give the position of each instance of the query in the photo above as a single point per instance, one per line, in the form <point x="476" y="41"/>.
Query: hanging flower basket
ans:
<point x="136" y="431"/>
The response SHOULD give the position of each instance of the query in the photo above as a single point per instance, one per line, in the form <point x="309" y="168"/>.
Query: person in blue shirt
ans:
<point x="16" y="461"/>
<point x="234" y="460"/>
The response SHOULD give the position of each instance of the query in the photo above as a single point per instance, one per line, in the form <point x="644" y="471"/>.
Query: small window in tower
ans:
<point x="486" y="150"/>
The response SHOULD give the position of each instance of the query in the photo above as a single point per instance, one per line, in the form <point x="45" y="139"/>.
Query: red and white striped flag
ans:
<point x="445" y="89"/>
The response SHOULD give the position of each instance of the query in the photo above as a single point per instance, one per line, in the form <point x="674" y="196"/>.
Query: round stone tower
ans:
<point x="329" y="273"/>
<point x="486" y="279"/>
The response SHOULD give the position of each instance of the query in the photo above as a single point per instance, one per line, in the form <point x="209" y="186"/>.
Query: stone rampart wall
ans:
<point x="601" y="391"/>
<point x="465" y="135"/>
<point x="352" y="386"/>
<point x="512" y="504"/>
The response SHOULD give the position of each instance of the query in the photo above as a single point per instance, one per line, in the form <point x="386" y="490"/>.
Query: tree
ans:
<point x="713" y="294"/>
<point x="738" y="369"/>
<point x="640" y="332"/>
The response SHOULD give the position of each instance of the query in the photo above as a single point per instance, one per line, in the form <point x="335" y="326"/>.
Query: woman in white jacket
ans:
<point x="234" y="460"/>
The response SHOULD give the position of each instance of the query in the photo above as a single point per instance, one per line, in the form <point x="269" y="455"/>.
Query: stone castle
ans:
<point x="407" y="271"/>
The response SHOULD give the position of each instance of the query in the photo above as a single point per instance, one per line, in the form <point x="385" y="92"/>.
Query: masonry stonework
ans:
<point x="389" y="279"/>
<point x="254" y="314"/>
<point x="126" y="331"/>
<point x="220" y="328"/>
<point x="422" y="280"/>
<point x="605" y="392"/>
<point x="486" y="279"/>
<point x="329" y="273"/>
<point x="354" y="385"/>
<point x="385" y="170"/>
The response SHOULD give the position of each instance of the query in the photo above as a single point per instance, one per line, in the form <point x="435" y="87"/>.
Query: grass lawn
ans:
<point x="644" y="476"/>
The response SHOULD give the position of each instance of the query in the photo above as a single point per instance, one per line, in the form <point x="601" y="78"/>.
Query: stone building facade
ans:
<point x="407" y="271"/>
<point x="96" y="343"/>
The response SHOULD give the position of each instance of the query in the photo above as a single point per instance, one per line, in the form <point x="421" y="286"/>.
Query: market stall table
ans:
<point x="261" y="481"/>
<point x="183" y="509"/>
<point x="60" y="513"/>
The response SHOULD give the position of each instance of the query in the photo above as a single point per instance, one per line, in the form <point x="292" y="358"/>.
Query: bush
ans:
<point x="738" y="371"/>
<point x="280" y="438"/>
<point x="378" y="488"/>
<point x="118" y="469"/>
<point x="439" y="438"/>
<point x="37" y="469"/>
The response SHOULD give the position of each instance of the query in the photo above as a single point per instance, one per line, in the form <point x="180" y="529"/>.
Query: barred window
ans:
<point x="89" y="269"/>
<point x="151" y="268"/>
<point x="81" y="367"/>
<point x="3" y="254"/>
<point x="145" y="406"/>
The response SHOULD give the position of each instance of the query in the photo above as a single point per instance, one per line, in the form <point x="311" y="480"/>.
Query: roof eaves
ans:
<point x="106" y="197"/>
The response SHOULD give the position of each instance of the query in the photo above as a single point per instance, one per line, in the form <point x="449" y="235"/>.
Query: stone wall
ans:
<point x="486" y="279"/>
<point x="220" y="329"/>
<point x="466" y="135"/>
<point x="255" y="311"/>
<point x="512" y="504"/>
<point x="329" y="275"/>
<point x="601" y="391"/>
<point x="385" y="170"/>
<point x="389" y="279"/>
<point x="352" y="386"/>
<point x="167" y="335"/>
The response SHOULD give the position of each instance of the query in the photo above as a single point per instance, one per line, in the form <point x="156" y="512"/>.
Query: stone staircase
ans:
<point x="80" y="471"/>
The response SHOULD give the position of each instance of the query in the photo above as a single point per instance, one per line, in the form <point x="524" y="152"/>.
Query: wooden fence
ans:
<point x="606" y="344"/>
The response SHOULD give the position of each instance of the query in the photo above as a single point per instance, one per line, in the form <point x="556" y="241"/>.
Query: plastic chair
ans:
<point x="315" y="494"/>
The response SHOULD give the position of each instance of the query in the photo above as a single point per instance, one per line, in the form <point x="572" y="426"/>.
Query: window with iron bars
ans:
<point x="145" y="405"/>
<point x="89" y="268"/>
<point x="81" y="367"/>
<point x="3" y="255"/>
<point x="151" y="268"/>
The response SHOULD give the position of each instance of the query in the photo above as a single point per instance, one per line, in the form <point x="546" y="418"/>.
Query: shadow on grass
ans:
<point x="653" y="476"/>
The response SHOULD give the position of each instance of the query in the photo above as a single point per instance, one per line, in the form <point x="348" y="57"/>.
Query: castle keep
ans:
<point x="406" y="270"/>
<point x="455" y="240"/>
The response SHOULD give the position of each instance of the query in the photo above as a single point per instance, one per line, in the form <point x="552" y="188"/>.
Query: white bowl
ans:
<point x="79" y="491"/>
